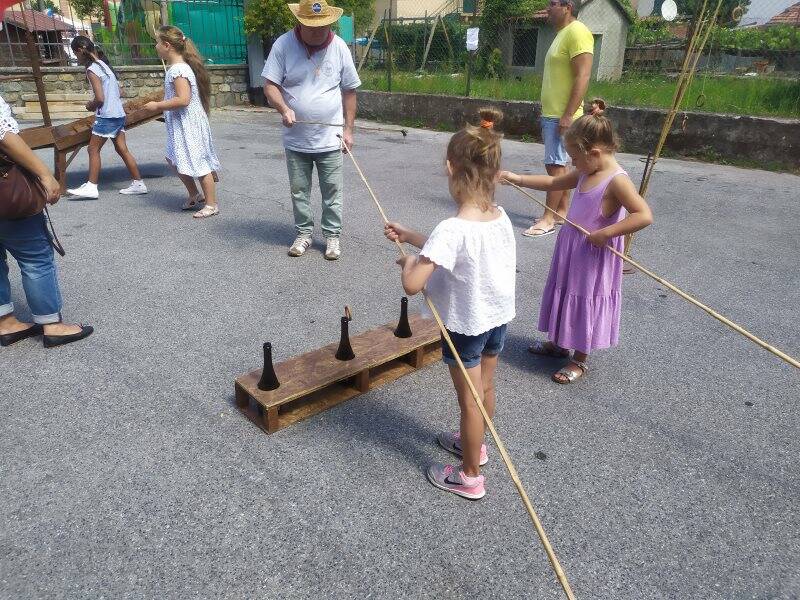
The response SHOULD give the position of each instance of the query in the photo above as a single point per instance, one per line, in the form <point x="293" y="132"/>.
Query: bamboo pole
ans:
<point x="446" y="36"/>
<point x="694" y="49"/>
<point x="385" y="129"/>
<point x="369" y="45"/>
<point x="428" y="45"/>
<point x="738" y="328"/>
<point x="388" y="55"/>
<point x="562" y="578"/>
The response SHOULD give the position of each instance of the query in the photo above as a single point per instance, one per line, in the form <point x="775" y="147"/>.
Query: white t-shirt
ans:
<point x="312" y="88"/>
<point x="112" y="103"/>
<point x="474" y="281"/>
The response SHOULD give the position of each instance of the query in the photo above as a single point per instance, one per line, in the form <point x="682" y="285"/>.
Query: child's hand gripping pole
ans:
<point x="738" y="328"/>
<point x="562" y="578"/>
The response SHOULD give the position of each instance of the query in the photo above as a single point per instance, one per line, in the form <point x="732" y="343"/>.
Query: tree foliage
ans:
<point x="271" y="18"/>
<point x="779" y="38"/>
<point x="268" y="18"/>
<point x="363" y="12"/>
<point x="87" y="9"/>
<point x="729" y="13"/>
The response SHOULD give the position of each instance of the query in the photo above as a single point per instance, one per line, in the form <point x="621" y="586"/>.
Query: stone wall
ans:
<point x="228" y="82"/>
<point x="766" y="140"/>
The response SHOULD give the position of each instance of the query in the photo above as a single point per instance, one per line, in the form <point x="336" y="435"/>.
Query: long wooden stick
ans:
<point x="428" y="45"/>
<point x="369" y="45"/>
<point x="704" y="26"/>
<point x="562" y="578"/>
<point x="738" y="328"/>
<point x="386" y="129"/>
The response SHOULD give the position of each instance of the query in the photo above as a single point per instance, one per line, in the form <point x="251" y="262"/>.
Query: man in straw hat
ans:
<point x="310" y="76"/>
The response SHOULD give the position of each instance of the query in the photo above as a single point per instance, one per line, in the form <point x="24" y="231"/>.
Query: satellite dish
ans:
<point x="645" y="8"/>
<point x="669" y="10"/>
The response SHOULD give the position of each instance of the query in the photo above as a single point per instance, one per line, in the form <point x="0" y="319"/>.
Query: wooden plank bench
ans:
<point x="316" y="381"/>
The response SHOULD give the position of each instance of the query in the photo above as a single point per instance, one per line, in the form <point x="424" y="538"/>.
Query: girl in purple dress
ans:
<point x="582" y="297"/>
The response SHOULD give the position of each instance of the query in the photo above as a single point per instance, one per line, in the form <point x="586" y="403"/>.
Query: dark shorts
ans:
<point x="470" y="348"/>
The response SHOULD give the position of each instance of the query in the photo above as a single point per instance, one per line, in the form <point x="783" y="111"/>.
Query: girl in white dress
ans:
<point x="187" y="93"/>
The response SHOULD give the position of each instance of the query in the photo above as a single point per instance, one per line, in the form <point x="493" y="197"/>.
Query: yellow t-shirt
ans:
<point x="571" y="41"/>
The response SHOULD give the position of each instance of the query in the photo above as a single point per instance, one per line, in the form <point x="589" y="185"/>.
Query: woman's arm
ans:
<point x="416" y="270"/>
<point x="545" y="183"/>
<point x="18" y="151"/>
<point x="639" y="217"/>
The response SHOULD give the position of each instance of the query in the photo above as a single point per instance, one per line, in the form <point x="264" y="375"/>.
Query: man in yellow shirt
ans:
<point x="567" y="68"/>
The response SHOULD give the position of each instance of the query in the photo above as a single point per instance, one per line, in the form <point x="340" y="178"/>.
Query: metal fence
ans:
<point x="419" y="46"/>
<point x="125" y="30"/>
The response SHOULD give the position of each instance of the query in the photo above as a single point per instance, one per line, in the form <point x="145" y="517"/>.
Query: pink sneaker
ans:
<point x="452" y="443"/>
<point x="450" y="479"/>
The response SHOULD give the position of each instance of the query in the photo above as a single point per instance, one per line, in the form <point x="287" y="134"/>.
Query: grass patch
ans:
<point x="754" y="96"/>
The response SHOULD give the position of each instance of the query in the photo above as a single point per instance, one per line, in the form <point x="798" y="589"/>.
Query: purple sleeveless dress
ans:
<point x="582" y="297"/>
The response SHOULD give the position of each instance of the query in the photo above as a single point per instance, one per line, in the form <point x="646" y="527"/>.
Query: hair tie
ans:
<point x="487" y="124"/>
<point x="183" y="39"/>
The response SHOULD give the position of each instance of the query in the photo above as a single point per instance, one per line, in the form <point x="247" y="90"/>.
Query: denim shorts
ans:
<point x="555" y="153"/>
<point x="107" y="127"/>
<point x="470" y="348"/>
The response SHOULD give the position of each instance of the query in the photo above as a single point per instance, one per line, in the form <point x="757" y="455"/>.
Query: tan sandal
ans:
<point x="193" y="202"/>
<point x="568" y="374"/>
<point x="207" y="211"/>
<point x="538" y="231"/>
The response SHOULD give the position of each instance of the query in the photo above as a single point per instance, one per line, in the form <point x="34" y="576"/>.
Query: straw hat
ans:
<point x="316" y="13"/>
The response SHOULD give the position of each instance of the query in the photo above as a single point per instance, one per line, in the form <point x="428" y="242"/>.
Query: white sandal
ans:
<point x="193" y="202"/>
<point x="207" y="211"/>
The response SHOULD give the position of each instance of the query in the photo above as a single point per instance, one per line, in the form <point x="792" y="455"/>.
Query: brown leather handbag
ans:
<point x="21" y="193"/>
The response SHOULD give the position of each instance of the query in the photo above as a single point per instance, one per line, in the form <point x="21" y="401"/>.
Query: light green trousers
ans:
<point x="329" y="173"/>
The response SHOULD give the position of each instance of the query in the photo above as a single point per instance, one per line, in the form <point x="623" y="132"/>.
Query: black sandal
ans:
<point x="51" y="341"/>
<point x="7" y="339"/>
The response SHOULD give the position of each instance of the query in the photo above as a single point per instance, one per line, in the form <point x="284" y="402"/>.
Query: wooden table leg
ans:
<point x="60" y="162"/>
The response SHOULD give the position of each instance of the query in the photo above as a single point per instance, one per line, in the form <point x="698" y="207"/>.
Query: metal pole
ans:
<point x="469" y="71"/>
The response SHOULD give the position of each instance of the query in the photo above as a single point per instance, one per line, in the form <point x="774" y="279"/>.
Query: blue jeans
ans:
<point x="470" y="348"/>
<point x="329" y="172"/>
<point x="555" y="153"/>
<point x="28" y="242"/>
<point x="108" y="127"/>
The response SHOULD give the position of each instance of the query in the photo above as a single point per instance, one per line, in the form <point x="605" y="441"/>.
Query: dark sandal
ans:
<point x="540" y="348"/>
<point x="7" y="339"/>
<point x="52" y="341"/>
<point x="569" y="374"/>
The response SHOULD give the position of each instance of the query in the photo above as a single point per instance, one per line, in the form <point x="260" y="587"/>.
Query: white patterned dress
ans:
<point x="190" y="148"/>
<point x="7" y="122"/>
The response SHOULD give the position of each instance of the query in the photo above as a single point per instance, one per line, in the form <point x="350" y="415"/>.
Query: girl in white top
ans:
<point x="109" y="121"/>
<point x="467" y="267"/>
<point x="187" y="97"/>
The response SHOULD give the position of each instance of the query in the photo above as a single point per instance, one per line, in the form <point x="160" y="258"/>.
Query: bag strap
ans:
<point x="54" y="241"/>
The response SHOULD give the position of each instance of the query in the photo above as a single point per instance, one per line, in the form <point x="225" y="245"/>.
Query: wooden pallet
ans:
<point x="316" y="381"/>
